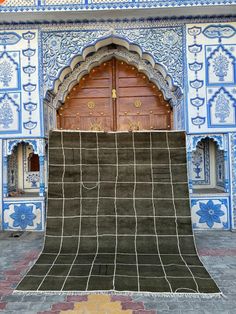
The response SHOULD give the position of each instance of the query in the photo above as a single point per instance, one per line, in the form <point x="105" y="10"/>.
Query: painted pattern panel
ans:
<point x="23" y="214"/>
<point x="19" y="84"/>
<point x="233" y="174"/>
<point x="211" y="56"/>
<point x="220" y="168"/>
<point x="210" y="212"/>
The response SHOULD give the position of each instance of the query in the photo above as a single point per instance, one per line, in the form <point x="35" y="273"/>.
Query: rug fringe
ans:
<point x="130" y="293"/>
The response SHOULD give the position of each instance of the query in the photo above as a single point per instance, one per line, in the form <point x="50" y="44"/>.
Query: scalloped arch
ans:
<point x="218" y="139"/>
<point x="155" y="74"/>
<point x="13" y="144"/>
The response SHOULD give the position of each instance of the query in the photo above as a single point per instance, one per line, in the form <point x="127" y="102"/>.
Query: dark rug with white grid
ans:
<point x="118" y="216"/>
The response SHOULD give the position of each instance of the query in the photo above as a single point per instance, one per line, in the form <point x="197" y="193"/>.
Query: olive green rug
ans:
<point x="118" y="217"/>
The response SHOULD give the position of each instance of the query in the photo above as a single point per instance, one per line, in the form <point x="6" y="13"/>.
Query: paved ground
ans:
<point x="217" y="250"/>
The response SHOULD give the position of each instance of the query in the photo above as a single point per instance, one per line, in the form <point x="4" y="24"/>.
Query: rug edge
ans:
<point x="130" y="293"/>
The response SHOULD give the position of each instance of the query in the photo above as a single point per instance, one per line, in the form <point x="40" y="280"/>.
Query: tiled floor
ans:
<point x="217" y="250"/>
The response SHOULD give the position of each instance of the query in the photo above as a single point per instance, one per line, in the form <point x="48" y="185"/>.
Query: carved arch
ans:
<point x="171" y="93"/>
<point x="103" y="41"/>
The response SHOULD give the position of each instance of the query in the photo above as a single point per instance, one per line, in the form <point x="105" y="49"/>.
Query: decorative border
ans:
<point x="110" y="5"/>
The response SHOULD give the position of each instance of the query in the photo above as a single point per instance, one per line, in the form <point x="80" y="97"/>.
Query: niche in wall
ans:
<point x="23" y="170"/>
<point x="208" y="167"/>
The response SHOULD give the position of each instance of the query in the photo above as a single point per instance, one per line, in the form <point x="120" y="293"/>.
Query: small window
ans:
<point x="33" y="162"/>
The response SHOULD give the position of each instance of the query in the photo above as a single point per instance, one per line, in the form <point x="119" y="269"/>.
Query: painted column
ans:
<point x="5" y="177"/>
<point x="226" y="160"/>
<point x="41" y="167"/>
<point x="41" y="176"/>
<point x="190" y="181"/>
<point x="189" y="163"/>
<point x="5" y="169"/>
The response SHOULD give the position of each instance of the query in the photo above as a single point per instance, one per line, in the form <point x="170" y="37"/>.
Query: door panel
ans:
<point x="115" y="96"/>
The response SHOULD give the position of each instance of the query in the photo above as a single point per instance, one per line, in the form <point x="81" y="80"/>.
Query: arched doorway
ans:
<point x="115" y="96"/>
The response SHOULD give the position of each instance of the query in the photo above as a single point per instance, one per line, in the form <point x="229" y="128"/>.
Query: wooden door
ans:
<point x="115" y="96"/>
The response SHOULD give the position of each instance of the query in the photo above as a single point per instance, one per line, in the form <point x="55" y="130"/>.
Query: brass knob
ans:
<point x="126" y="112"/>
<point x="151" y="111"/>
<point x="138" y="112"/>
<point x="102" y="113"/>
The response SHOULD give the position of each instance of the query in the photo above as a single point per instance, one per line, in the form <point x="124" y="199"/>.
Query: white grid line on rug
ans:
<point x="63" y="213"/>
<point x="155" y="227"/>
<point x="128" y="264"/>
<point x="115" y="207"/>
<point x="97" y="212"/>
<point x="135" y="213"/>
<point x="118" y="275"/>
<point x="79" y="237"/>
<point x="176" y="218"/>
<point x="120" y="148"/>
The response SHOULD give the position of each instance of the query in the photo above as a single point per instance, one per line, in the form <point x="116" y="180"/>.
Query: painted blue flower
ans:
<point x="23" y="216"/>
<point x="210" y="213"/>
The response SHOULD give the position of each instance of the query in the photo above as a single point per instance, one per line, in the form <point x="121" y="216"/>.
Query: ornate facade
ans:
<point x="191" y="59"/>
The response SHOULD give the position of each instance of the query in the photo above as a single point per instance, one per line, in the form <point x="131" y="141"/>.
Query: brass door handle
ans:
<point x="113" y="93"/>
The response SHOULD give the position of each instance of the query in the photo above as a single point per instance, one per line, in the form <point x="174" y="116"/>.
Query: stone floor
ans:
<point x="17" y="254"/>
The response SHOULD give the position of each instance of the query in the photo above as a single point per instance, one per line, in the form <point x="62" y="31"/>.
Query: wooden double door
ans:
<point x="115" y="96"/>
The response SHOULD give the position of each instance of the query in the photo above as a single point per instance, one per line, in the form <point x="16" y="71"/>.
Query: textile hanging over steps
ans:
<point x="118" y="216"/>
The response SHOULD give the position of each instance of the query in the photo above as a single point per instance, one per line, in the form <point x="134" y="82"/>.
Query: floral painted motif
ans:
<point x="33" y="178"/>
<point x="6" y="114"/>
<point x="23" y="216"/>
<point x="197" y="159"/>
<point x="221" y="66"/>
<point x="222" y="108"/>
<point x="210" y="213"/>
<point x="6" y="73"/>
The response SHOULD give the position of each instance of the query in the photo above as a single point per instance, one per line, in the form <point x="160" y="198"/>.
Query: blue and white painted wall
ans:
<point x="211" y="69"/>
<point x="19" y="84"/>
<point x="211" y="112"/>
<point x="197" y="71"/>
